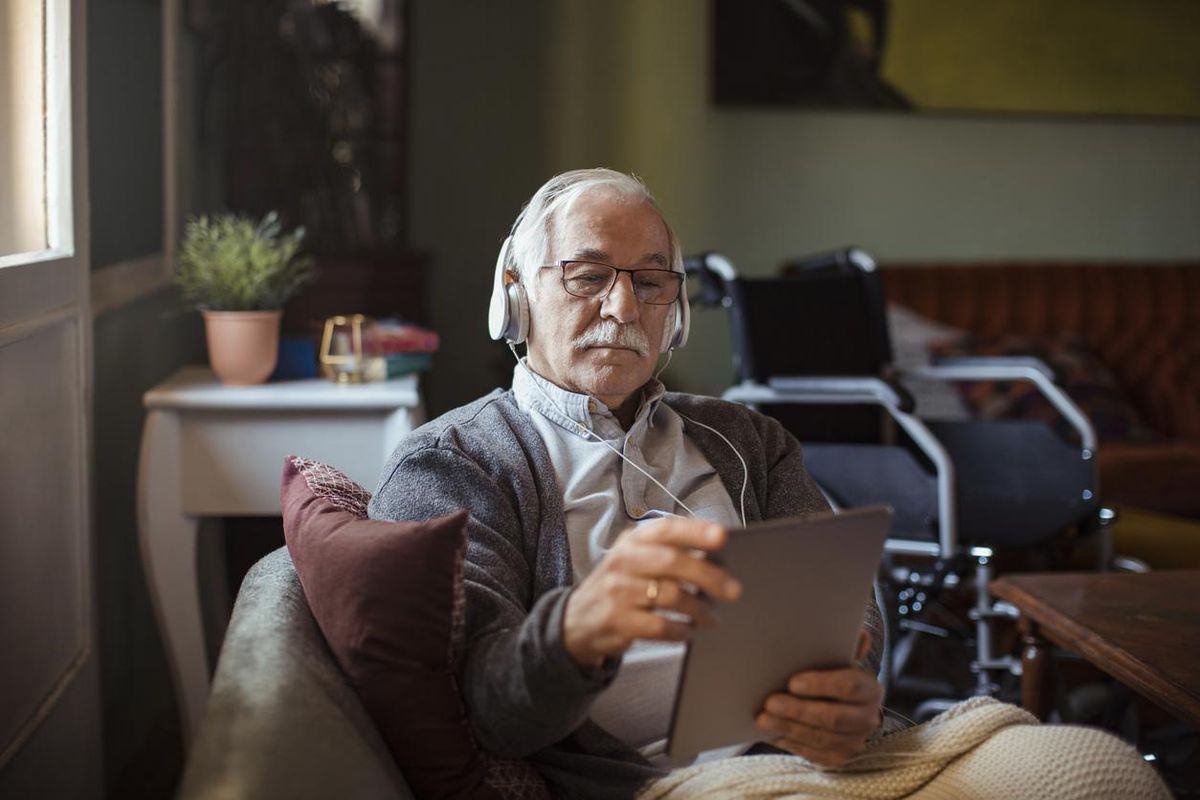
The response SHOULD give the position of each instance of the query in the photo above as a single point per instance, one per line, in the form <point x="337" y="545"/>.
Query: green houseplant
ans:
<point x="239" y="272"/>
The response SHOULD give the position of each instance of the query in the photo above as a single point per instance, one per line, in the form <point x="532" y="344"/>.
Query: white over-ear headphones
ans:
<point x="508" y="313"/>
<point x="678" y="323"/>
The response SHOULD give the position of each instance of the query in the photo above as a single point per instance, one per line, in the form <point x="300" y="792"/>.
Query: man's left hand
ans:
<point x="826" y="715"/>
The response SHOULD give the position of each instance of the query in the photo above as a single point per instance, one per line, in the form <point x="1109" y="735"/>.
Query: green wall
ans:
<point x="135" y="347"/>
<point x="501" y="101"/>
<point x="125" y="112"/>
<point x="477" y="150"/>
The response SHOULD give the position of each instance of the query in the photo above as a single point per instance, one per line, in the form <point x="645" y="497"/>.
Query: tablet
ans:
<point x="805" y="583"/>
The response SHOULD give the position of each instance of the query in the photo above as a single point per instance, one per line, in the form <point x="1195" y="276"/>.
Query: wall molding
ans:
<point x="68" y="316"/>
<point x="27" y="327"/>
<point x="122" y="283"/>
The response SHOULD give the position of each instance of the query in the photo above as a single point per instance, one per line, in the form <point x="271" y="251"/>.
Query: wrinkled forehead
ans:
<point x="607" y="224"/>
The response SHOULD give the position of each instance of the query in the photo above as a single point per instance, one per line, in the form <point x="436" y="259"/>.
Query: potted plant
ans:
<point x="239" y="272"/>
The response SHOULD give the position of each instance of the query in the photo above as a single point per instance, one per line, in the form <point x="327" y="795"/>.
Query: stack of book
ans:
<point x="404" y="348"/>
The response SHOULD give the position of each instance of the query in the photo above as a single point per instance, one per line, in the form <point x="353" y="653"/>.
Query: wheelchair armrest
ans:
<point x="836" y="388"/>
<point x="813" y="390"/>
<point x="993" y="365"/>
<point x="1015" y="368"/>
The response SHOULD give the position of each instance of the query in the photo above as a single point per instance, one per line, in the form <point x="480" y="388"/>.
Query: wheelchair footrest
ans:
<point x="1006" y="663"/>
<point x="1001" y="610"/>
<point x="924" y="627"/>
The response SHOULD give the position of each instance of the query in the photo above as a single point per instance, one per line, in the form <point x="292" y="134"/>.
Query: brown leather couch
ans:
<point x="1142" y="320"/>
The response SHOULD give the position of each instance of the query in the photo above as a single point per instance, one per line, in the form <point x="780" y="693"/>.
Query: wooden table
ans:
<point x="1142" y="629"/>
<point x="210" y="450"/>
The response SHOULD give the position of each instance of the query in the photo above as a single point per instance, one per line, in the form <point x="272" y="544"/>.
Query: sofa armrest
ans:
<point x="282" y="721"/>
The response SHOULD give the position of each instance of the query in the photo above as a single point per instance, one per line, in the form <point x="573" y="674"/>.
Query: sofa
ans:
<point x="338" y="673"/>
<point x="282" y="720"/>
<point x="1141" y="320"/>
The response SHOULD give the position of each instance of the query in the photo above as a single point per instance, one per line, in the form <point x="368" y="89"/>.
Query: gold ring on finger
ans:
<point x="652" y="593"/>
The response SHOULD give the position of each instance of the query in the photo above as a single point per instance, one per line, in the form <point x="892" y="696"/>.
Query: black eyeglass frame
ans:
<point x="679" y="277"/>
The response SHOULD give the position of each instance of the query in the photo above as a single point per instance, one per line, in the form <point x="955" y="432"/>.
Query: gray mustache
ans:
<point x="611" y="334"/>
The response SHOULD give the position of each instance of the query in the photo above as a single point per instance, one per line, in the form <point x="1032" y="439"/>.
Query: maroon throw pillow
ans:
<point x="388" y="598"/>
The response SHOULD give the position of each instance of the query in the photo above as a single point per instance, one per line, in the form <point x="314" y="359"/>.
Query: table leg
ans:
<point x="1035" y="669"/>
<point x="168" y="545"/>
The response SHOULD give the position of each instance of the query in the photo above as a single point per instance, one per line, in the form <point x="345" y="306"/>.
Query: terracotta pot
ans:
<point x="242" y="345"/>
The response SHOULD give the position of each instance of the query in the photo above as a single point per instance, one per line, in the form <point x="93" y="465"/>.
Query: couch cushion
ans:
<point x="913" y="338"/>
<point x="1132" y="315"/>
<point x="388" y="598"/>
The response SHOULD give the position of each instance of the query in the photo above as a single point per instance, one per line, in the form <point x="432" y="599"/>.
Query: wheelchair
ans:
<point x="811" y="348"/>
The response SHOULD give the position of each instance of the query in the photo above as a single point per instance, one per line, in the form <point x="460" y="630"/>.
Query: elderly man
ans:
<point x="593" y="495"/>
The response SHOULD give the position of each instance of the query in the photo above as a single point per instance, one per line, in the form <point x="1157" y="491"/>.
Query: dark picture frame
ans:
<point x="1113" y="58"/>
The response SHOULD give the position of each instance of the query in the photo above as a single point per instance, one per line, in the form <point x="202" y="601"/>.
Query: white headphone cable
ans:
<point x="745" y="469"/>
<point x="584" y="430"/>
<point x="659" y="371"/>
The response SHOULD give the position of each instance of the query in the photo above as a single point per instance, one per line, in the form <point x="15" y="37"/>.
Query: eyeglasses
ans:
<point x="592" y="279"/>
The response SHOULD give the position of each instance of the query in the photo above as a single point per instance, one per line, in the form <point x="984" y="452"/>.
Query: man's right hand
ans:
<point x="644" y="572"/>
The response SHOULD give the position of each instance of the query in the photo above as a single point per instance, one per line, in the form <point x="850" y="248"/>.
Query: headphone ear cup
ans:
<point x="677" y="325"/>
<point x="518" y="307"/>
<point x="508" y="312"/>
<point x="684" y="310"/>
<point x="498" y="311"/>
<point x="670" y="327"/>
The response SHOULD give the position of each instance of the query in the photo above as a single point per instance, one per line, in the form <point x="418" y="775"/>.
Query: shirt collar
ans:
<point x="571" y="410"/>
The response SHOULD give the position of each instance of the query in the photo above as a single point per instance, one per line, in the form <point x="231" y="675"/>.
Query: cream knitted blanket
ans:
<point x="979" y="749"/>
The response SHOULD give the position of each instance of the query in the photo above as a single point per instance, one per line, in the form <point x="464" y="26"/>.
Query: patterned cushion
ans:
<point x="1086" y="381"/>
<point x="913" y="338"/>
<point x="388" y="598"/>
<point x="330" y="484"/>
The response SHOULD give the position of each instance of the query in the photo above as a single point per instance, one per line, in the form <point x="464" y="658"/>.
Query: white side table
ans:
<point x="214" y="450"/>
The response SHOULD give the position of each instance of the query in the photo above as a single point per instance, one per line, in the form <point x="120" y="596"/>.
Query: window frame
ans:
<point x="57" y="159"/>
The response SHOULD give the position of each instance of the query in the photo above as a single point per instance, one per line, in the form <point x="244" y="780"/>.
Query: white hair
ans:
<point x="533" y="230"/>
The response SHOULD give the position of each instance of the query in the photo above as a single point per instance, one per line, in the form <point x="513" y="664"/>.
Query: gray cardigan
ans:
<point x="525" y="697"/>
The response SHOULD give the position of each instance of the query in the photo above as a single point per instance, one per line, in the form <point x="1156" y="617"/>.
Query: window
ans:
<point x="35" y="218"/>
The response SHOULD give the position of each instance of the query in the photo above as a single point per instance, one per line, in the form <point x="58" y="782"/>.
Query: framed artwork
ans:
<point x="1056" y="57"/>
